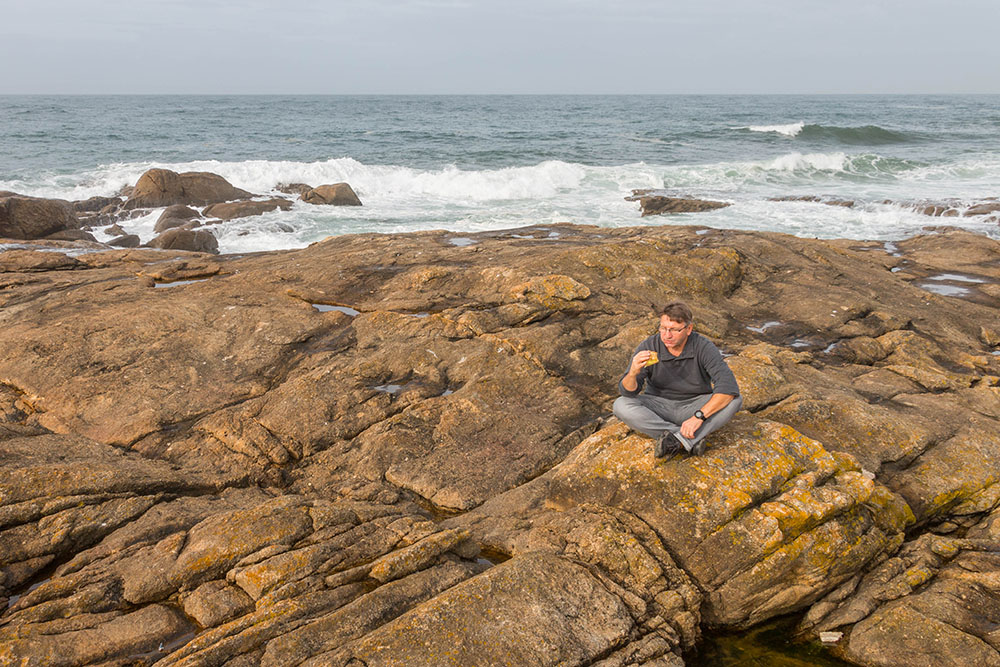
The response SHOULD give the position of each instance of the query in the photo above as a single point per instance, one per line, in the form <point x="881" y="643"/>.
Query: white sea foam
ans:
<point x="402" y="199"/>
<point x="789" y="130"/>
<point x="817" y="161"/>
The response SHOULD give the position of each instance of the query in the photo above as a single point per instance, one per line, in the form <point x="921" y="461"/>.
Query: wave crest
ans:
<point x="865" y="135"/>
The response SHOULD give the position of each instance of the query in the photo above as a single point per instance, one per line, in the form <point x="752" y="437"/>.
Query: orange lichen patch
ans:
<point x="215" y="544"/>
<point x="256" y="580"/>
<point x="816" y="561"/>
<point x="553" y="291"/>
<point x="416" y="556"/>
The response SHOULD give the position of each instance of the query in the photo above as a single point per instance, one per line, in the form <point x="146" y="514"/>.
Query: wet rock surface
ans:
<point x="336" y="194"/>
<point x="653" y="202"/>
<point x="233" y="210"/>
<point x="399" y="450"/>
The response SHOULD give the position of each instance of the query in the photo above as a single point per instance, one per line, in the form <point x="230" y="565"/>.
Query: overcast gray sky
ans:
<point x="499" y="46"/>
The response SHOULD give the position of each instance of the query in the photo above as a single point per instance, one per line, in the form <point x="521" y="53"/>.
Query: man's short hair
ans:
<point x="677" y="311"/>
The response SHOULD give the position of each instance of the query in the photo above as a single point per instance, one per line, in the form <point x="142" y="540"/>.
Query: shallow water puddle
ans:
<point x="178" y="283"/>
<point x="944" y="290"/>
<point x="323" y="308"/>
<point x="14" y="598"/>
<point x="389" y="388"/>
<point x="937" y="284"/>
<point x="462" y="241"/>
<point x="957" y="277"/>
<point x="764" y="327"/>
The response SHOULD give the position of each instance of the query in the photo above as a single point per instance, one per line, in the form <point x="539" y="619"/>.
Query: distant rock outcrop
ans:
<point x="32" y="218"/>
<point x="162" y="187"/>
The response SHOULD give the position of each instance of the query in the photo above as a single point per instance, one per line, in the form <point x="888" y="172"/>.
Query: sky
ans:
<point x="498" y="46"/>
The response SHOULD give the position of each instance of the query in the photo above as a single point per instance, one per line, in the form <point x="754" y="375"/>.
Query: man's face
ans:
<point x="673" y="334"/>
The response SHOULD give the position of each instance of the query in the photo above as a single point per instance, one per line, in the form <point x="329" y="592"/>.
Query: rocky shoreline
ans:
<point x="398" y="449"/>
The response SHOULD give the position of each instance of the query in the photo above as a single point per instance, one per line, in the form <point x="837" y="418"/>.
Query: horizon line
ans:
<point x="492" y="94"/>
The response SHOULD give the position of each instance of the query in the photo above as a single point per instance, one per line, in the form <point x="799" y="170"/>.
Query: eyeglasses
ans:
<point x="672" y="330"/>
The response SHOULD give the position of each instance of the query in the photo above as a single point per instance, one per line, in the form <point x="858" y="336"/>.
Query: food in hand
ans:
<point x="652" y="359"/>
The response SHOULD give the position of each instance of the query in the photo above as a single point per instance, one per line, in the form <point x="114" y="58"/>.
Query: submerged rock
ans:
<point x="651" y="203"/>
<point x="243" y="209"/>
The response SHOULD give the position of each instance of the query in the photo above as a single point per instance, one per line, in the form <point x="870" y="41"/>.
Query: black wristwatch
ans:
<point x="700" y="415"/>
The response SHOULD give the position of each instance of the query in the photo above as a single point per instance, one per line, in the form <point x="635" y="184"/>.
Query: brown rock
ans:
<point x="265" y="426"/>
<point x="96" y="204"/>
<point x="123" y="637"/>
<point x="338" y="194"/>
<point x="526" y="593"/>
<point x="293" y="188"/>
<point x="193" y="240"/>
<point x="72" y="235"/>
<point x="162" y="187"/>
<point x="904" y="610"/>
<point x="32" y="218"/>
<point x="245" y="209"/>
<point x="178" y="212"/>
<point x="216" y="602"/>
<point x="126" y="241"/>
<point x="163" y="224"/>
<point x="23" y="261"/>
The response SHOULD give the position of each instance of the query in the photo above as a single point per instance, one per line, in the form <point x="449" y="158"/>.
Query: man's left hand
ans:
<point x="690" y="427"/>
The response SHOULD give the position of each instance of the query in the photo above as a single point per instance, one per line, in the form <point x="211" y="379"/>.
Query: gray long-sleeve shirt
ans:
<point x="699" y="369"/>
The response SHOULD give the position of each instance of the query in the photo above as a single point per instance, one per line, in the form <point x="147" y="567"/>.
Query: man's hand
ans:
<point x="690" y="427"/>
<point x="630" y="381"/>
<point x="639" y="361"/>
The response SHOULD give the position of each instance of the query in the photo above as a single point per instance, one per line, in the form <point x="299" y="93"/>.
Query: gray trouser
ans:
<point x="654" y="415"/>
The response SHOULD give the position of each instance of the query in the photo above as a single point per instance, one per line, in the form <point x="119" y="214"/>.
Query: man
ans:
<point x="690" y="391"/>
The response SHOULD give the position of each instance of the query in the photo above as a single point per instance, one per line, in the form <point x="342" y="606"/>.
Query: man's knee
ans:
<point x="624" y="407"/>
<point x="731" y="409"/>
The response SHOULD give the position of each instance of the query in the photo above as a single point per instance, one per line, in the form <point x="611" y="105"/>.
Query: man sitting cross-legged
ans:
<point x="689" y="389"/>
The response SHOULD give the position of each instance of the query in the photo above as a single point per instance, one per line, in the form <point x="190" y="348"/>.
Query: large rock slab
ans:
<point x="766" y="522"/>
<point x="330" y="435"/>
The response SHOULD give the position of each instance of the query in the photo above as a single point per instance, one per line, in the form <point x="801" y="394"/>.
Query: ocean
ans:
<point x="474" y="163"/>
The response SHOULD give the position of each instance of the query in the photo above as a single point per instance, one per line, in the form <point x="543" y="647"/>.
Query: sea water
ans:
<point x="474" y="163"/>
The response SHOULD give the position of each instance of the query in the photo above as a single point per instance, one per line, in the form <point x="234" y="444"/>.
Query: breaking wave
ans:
<point x="866" y="135"/>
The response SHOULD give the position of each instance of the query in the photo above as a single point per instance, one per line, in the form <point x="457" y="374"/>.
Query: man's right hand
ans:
<point x="639" y="362"/>
<point x="630" y="381"/>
